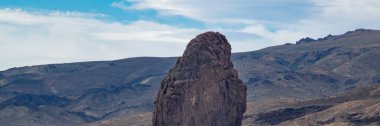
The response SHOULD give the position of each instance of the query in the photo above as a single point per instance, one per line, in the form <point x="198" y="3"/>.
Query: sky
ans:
<point x="34" y="32"/>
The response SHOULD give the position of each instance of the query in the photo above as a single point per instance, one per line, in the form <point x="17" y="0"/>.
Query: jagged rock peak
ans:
<point x="202" y="88"/>
<point x="358" y="31"/>
<point x="330" y="37"/>
<point x="206" y="48"/>
<point x="305" y="40"/>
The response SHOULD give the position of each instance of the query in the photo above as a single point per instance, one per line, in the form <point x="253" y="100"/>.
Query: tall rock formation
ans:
<point x="202" y="89"/>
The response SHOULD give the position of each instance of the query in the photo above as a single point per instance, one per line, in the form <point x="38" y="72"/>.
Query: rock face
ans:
<point x="202" y="88"/>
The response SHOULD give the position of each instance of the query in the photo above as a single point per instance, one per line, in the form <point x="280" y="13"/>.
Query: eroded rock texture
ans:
<point x="202" y="88"/>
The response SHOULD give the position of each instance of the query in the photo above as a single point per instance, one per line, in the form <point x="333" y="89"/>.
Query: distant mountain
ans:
<point x="315" y="69"/>
<point x="75" y="93"/>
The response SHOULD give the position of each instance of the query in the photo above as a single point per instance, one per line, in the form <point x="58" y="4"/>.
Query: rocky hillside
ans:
<point x="75" y="93"/>
<point x="313" y="69"/>
<point x="356" y="107"/>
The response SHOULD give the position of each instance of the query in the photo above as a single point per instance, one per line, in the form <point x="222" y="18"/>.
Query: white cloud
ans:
<point x="28" y="38"/>
<point x="222" y="10"/>
<point x="339" y="16"/>
<point x="314" y="18"/>
<point x="328" y="17"/>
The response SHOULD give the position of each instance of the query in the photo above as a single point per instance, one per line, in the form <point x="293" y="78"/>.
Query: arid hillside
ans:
<point x="100" y="92"/>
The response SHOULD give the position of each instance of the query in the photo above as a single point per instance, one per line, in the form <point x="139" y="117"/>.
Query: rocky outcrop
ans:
<point x="305" y="40"/>
<point x="202" y="88"/>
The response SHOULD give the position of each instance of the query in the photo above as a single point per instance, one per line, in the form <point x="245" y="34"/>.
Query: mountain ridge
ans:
<point x="319" y="39"/>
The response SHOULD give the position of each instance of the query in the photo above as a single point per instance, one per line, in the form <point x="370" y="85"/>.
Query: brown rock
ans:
<point x="202" y="89"/>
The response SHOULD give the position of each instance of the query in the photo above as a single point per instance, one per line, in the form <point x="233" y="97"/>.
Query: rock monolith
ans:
<point x="202" y="89"/>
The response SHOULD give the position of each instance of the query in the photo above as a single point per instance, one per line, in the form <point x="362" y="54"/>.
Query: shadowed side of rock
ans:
<point x="202" y="88"/>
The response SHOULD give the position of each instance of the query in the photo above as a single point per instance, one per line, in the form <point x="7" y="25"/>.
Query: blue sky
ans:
<point x="108" y="8"/>
<point x="36" y="32"/>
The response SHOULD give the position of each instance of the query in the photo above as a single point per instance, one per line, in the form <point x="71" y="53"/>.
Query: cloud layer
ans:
<point x="221" y="10"/>
<point x="40" y="37"/>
